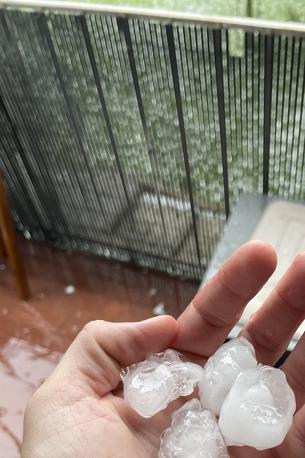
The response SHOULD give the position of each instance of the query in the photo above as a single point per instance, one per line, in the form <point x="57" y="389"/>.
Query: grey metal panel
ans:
<point x="238" y="230"/>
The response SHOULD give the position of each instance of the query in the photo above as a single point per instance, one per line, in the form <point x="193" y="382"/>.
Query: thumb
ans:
<point x="102" y="348"/>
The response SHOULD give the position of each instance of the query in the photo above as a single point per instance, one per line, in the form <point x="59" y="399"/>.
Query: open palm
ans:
<point x="79" y="411"/>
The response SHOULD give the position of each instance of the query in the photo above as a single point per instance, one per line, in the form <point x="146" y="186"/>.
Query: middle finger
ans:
<point x="274" y="324"/>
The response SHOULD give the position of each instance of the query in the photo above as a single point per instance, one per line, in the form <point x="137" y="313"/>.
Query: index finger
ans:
<point x="208" y="319"/>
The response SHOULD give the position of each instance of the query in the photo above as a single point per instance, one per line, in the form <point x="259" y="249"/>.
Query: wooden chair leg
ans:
<point x="3" y="253"/>
<point x="10" y="242"/>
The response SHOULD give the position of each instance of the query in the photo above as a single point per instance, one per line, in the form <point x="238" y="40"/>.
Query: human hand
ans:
<point x="79" y="411"/>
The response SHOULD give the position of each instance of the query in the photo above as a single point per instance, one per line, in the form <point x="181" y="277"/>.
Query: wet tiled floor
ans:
<point x="67" y="291"/>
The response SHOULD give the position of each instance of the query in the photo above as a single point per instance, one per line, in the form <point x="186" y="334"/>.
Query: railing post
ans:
<point x="81" y="20"/>
<point x="27" y="167"/>
<point x="71" y="106"/>
<point x="269" y="44"/>
<point x="174" y="68"/>
<point x="222" y="116"/>
<point x="123" y="27"/>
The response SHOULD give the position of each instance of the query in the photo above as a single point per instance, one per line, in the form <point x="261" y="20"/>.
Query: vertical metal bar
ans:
<point x="22" y="203"/>
<point x="211" y="69"/>
<point x="168" y="78"/>
<point x="229" y="99"/>
<point x="209" y="109"/>
<point x="295" y="115"/>
<point x="259" y="100"/>
<point x="209" y="79"/>
<point x="249" y="10"/>
<point x="152" y="38"/>
<point x="247" y="105"/>
<point x="300" y="125"/>
<point x="254" y="165"/>
<point x="81" y="20"/>
<point x="71" y="185"/>
<point x="46" y="195"/>
<point x="123" y="26"/>
<point x="23" y="158"/>
<point x="296" y="79"/>
<point x="209" y="235"/>
<point x="289" y="102"/>
<point x="222" y="115"/>
<point x="197" y="100"/>
<point x="277" y="73"/>
<point x="241" y="112"/>
<point x="186" y="75"/>
<point x="176" y="83"/>
<point x="301" y="190"/>
<point x="66" y="45"/>
<point x="235" y="115"/>
<point x="23" y="137"/>
<point x="83" y="23"/>
<point x="269" y="45"/>
<point x="43" y="140"/>
<point x="113" y="50"/>
<point x="283" y="91"/>
<point x="202" y="98"/>
<point x="104" y="49"/>
<point x="142" y="43"/>
<point x="44" y="29"/>
<point x="211" y="63"/>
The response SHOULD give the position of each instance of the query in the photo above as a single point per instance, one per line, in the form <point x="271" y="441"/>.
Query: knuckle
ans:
<point x="92" y="326"/>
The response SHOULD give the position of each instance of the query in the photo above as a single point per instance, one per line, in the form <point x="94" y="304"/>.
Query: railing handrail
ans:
<point x="247" y="24"/>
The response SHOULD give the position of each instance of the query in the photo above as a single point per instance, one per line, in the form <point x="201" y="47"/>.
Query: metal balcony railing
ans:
<point x="131" y="134"/>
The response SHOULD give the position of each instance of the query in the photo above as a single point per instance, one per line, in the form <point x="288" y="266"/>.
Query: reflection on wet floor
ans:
<point x="22" y="369"/>
<point x="67" y="291"/>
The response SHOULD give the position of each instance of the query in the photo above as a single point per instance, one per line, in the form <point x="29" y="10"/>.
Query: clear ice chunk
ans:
<point x="259" y="409"/>
<point x="193" y="433"/>
<point x="151" y="385"/>
<point x="221" y="370"/>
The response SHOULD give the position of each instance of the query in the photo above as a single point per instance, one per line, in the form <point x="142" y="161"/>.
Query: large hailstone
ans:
<point x="151" y="385"/>
<point x="193" y="433"/>
<point x="259" y="409"/>
<point x="221" y="370"/>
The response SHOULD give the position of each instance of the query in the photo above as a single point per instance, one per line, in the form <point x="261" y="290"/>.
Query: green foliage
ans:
<point x="280" y="10"/>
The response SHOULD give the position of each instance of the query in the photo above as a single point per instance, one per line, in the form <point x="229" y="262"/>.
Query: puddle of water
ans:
<point x="22" y="369"/>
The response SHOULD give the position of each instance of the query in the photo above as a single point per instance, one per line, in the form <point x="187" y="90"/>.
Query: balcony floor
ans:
<point x="34" y="334"/>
